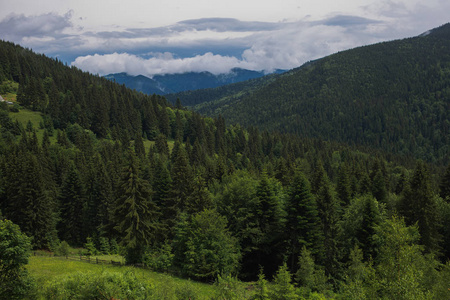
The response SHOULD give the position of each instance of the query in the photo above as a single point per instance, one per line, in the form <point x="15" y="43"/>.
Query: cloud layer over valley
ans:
<point x="217" y="44"/>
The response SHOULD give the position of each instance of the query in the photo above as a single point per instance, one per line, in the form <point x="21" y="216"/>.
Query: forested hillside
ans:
<point x="394" y="96"/>
<point x="196" y="197"/>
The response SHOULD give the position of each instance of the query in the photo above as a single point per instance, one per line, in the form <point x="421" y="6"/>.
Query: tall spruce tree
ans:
<point x="270" y="222"/>
<point x="135" y="213"/>
<point x="418" y="205"/>
<point x="72" y="200"/>
<point x="329" y="213"/>
<point x="302" y="222"/>
<point x="343" y="187"/>
<point x="28" y="204"/>
<point x="444" y="185"/>
<point x="181" y="186"/>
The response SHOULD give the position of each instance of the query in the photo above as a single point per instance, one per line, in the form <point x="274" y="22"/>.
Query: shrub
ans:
<point x="161" y="259"/>
<point x="90" y="247"/>
<point x="107" y="285"/>
<point x="63" y="249"/>
<point x="104" y="246"/>
<point x="15" y="249"/>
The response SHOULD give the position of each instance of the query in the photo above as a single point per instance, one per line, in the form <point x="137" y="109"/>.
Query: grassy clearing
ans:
<point x="45" y="269"/>
<point x="10" y="97"/>
<point x="114" y="257"/>
<point x="148" y="144"/>
<point x="26" y="115"/>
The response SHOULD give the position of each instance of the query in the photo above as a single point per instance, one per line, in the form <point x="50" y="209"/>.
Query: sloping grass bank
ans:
<point x="54" y="273"/>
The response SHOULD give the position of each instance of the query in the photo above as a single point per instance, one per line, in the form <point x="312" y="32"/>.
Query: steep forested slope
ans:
<point x="393" y="95"/>
<point x="192" y="196"/>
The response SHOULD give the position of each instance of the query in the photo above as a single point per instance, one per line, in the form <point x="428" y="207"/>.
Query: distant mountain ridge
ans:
<point x="392" y="95"/>
<point x="175" y="83"/>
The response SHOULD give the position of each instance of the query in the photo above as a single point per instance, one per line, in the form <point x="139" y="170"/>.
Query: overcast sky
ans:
<point x="172" y="36"/>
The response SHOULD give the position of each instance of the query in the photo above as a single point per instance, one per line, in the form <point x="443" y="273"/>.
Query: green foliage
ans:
<point x="105" y="247"/>
<point x="64" y="249"/>
<point x="204" y="247"/>
<point x="114" y="247"/>
<point x="159" y="259"/>
<point x="309" y="276"/>
<point x="15" y="247"/>
<point x="107" y="285"/>
<point x="282" y="288"/>
<point x="303" y="222"/>
<point x="366" y="96"/>
<point x="90" y="247"/>
<point x="419" y="205"/>
<point x="229" y="287"/>
<point x="88" y="182"/>
<point x="399" y="261"/>
<point x="262" y="289"/>
<point x="359" y="280"/>
<point x="135" y="212"/>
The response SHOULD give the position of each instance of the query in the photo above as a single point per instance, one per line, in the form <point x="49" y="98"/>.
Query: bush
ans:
<point x="104" y="246"/>
<point x="161" y="259"/>
<point x="90" y="247"/>
<point x="15" y="249"/>
<point x="229" y="287"/>
<point x="63" y="249"/>
<point x="204" y="247"/>
<point x="107" y="285"/>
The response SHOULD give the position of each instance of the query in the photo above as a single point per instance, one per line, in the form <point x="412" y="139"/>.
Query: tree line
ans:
<point x="195" y="197"/>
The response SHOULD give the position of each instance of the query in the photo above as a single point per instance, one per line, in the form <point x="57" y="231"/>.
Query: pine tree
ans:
<point x="418" y="205"/>
<point x="199" y="199"/>
<point x="303" y="222"/>
<point x="343" y="187"/>
<point x="269" y="218"/>
<point x="181" y="186"/>
<point x="29" y="205"/>
<point x="135" y="213"/>
<point x="72" y="200"/>
<point x="328" y="208"/>
<point x="139" y="148"/>
<point x="378" y="189"/>
<point x="444" y="185"/>
<point x="282" y="287"/>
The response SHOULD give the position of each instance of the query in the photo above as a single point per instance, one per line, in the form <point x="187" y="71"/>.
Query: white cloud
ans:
<point x="19" y="26"/>
<point x="161" y="63"/>
<point x="220" y="44"/>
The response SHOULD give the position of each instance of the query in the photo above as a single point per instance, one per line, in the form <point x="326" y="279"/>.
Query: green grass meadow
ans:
<point x="46" y="270"/>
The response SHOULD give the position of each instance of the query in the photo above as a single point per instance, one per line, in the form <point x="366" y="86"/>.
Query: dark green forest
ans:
<point x="393" y="96"/>
<point x="195" y="197"/>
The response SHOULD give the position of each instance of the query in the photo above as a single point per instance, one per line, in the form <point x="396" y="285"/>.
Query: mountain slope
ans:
<point x="393" y="95"/>
<point x="174" y="83"/>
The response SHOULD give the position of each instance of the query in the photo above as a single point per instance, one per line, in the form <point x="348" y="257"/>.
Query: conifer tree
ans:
<point x="378" y="188"/>
<point x="303" y="222"/>
<point x="181" y="186"/>
<point x="418" y="205"/>
<point x="199" y="199"/>
<point x="72" y="199"/>
<point x="29" y="205"/>
<point x="328" y="208"/>
<point x="139" y="148"/>
<point x="161" y="182"/>
<point x="135" y="213"/>
<point x="343" y="187"/>
<point x="283" y="288"/>
<point x="444" y="185"/>
<point x="269" y="218"/>
<point x="161" y="145"/>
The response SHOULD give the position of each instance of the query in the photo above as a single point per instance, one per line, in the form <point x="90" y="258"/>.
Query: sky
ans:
<point x="152" y="37"/>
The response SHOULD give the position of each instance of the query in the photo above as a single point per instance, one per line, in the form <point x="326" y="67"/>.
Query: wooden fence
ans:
<point x="87" y="259"/>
